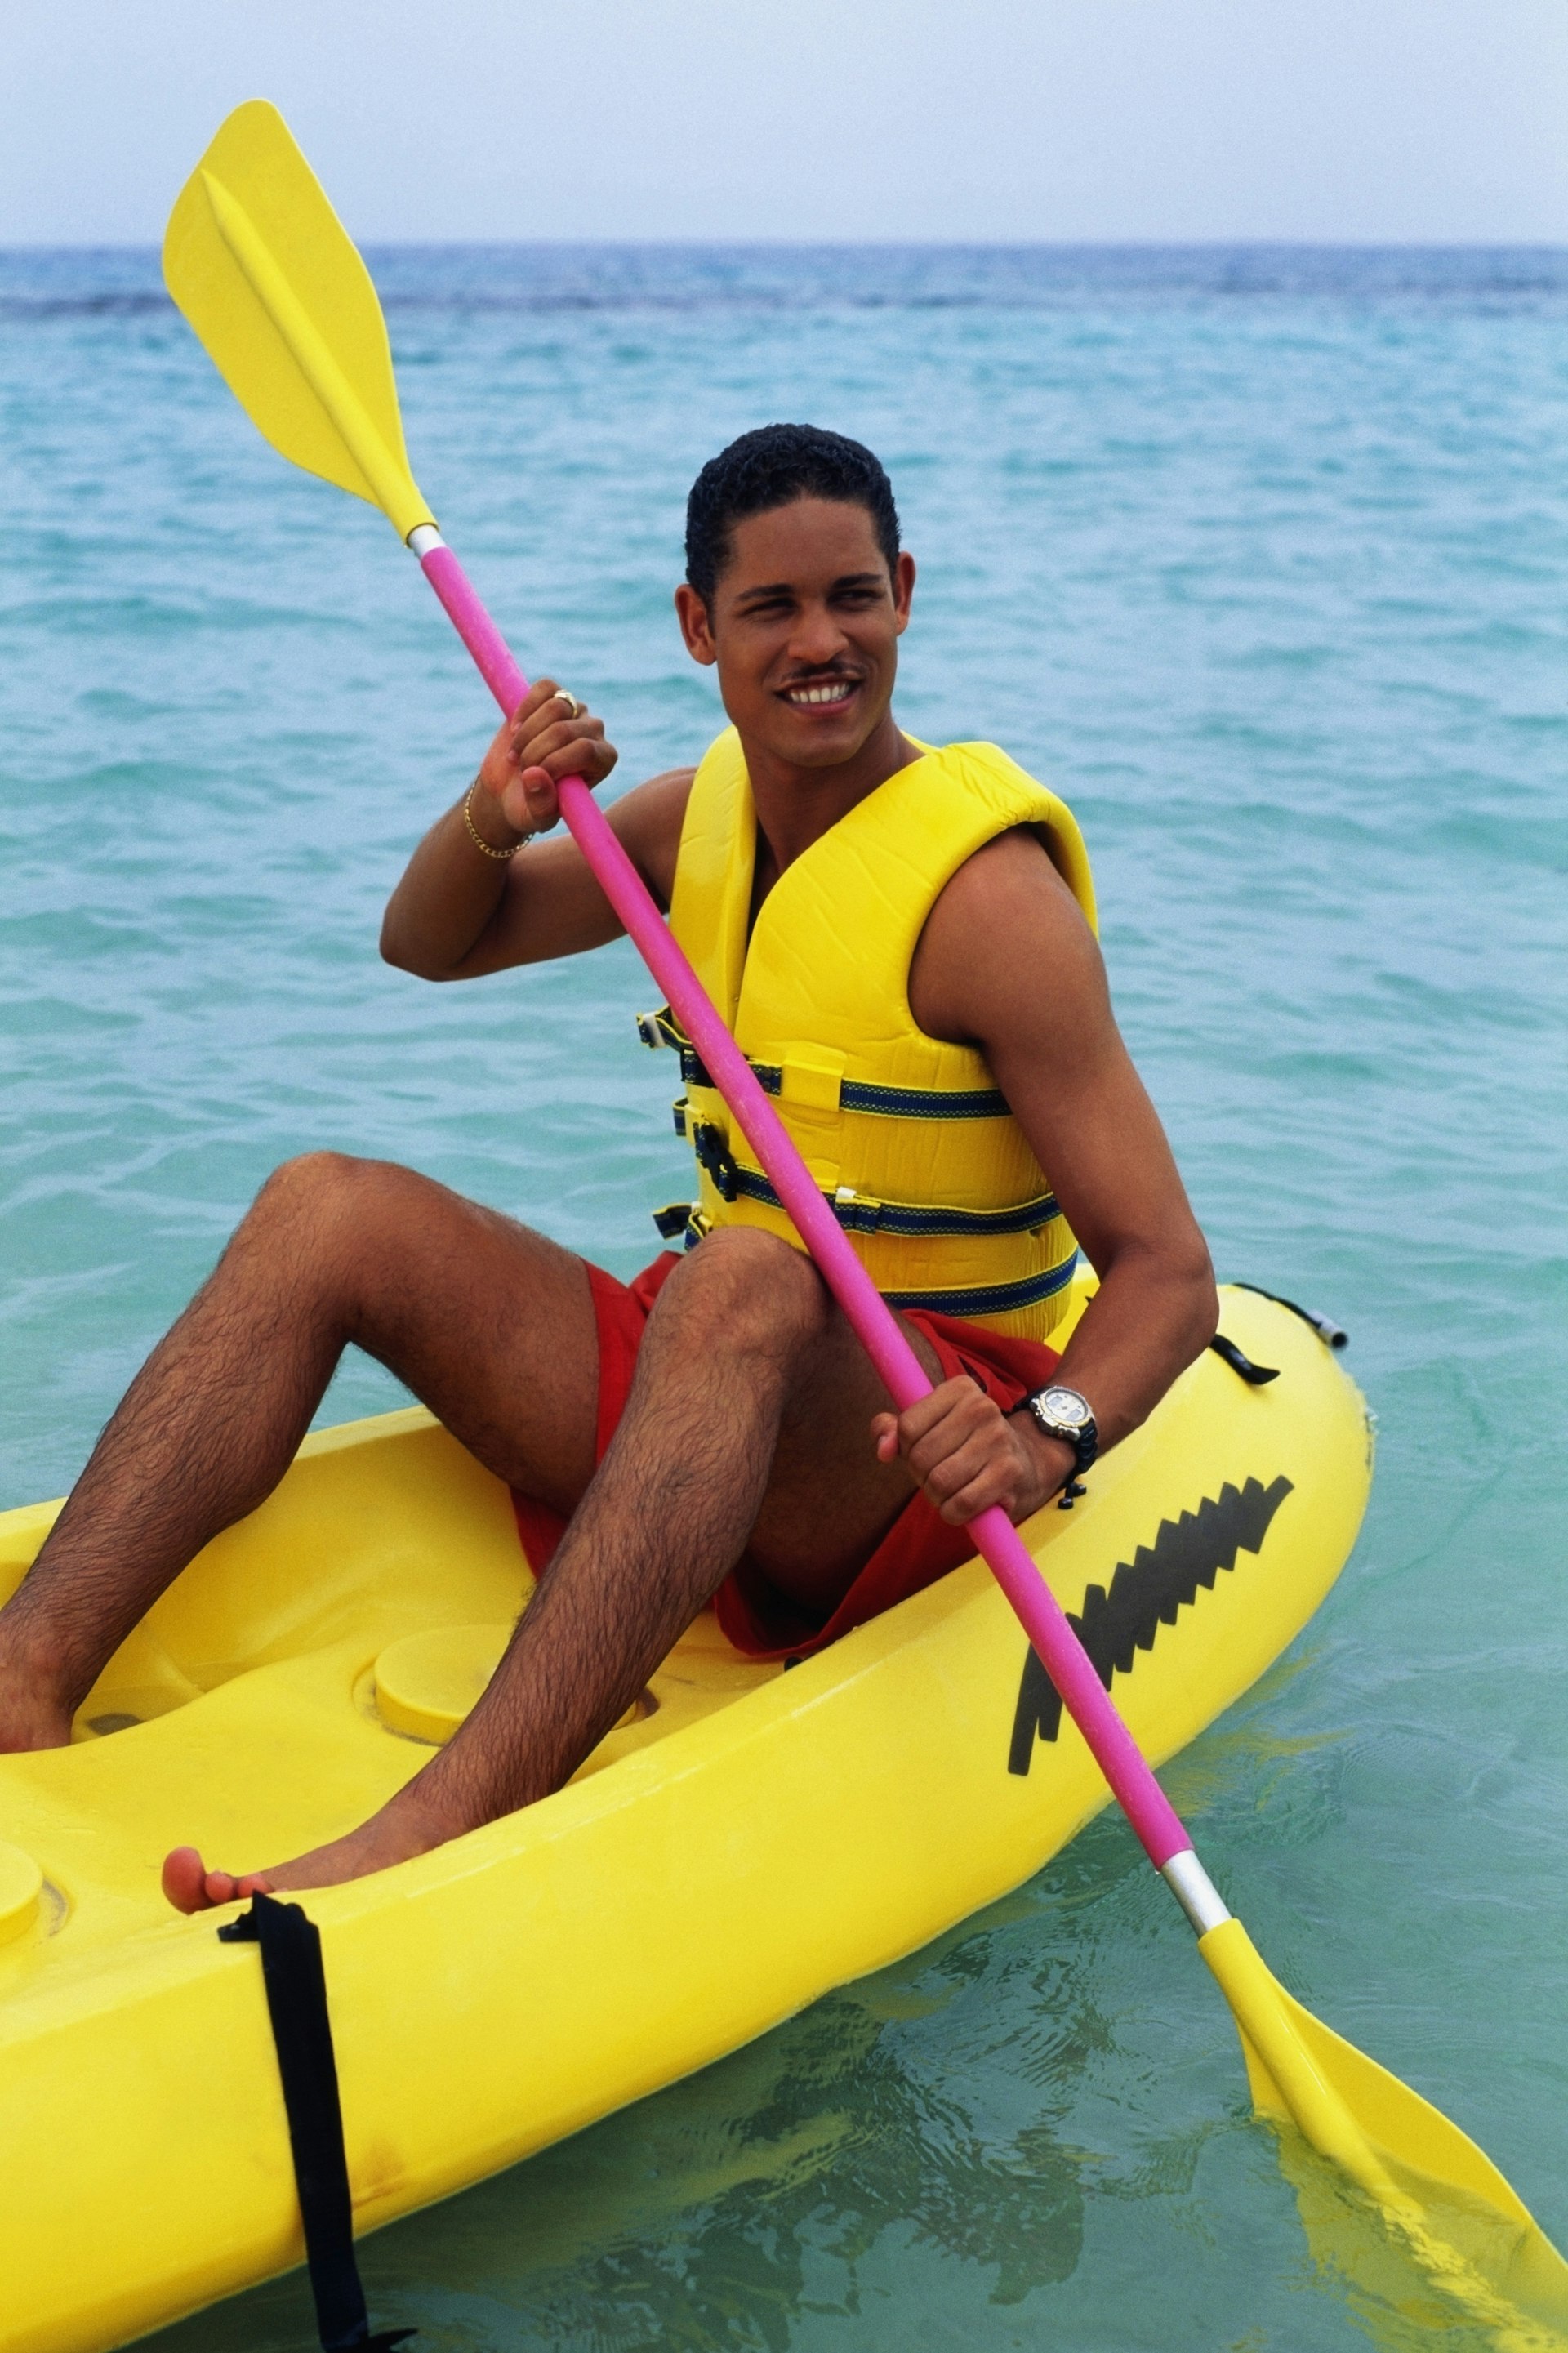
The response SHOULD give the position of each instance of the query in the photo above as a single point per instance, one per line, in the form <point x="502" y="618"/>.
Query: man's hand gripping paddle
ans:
<point x="268" y="277"/>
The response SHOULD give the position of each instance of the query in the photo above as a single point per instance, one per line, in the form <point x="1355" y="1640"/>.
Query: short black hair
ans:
<point x="773" y="467"/>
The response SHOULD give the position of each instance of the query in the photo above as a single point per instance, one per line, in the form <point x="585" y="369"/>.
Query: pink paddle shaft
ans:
<point x="1066" y="1661"/>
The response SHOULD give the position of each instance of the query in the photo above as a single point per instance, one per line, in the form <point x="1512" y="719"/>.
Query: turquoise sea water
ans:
<point x="1260" y="558"/>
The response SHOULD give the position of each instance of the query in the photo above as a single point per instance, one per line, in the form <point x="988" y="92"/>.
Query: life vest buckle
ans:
<point x="714" y="1157"/>
<point x="659" y="1028"/>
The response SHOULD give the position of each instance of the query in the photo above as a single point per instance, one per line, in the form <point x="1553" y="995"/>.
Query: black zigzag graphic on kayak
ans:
<point x="1145" y="1594"/>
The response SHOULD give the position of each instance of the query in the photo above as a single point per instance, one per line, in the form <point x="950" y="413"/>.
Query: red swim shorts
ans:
<point x="917" y="1548"/>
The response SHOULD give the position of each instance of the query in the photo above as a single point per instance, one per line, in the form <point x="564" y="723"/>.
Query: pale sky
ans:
<point x="1359" y="121"/>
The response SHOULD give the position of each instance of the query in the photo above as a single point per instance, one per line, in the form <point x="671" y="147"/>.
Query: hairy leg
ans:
<point x="749" y="1419"/>
<point x="490" y="1325"/>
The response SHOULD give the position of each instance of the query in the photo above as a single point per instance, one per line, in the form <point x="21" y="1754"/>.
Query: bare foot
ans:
<point x="190" y="1886"/>
<point x="404" y="1827"/>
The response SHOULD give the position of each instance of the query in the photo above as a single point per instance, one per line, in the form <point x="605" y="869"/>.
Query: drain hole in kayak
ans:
<point x="427" y="1683"/>
<point x="104" y="1725"/>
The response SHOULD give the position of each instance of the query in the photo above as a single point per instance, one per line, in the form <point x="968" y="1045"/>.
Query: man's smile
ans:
<point x="820" y="694"/>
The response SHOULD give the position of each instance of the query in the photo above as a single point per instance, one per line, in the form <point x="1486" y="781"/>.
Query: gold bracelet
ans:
<point x="477" y="837"/>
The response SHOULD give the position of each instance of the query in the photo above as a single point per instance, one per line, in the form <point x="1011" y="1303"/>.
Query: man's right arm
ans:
<point x="458" y="914"/>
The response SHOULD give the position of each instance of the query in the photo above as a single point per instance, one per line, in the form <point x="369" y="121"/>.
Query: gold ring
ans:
<point x="574" y="709"/>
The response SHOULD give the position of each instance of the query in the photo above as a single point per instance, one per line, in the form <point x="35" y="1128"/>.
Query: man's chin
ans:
<point x="823" y="739"/>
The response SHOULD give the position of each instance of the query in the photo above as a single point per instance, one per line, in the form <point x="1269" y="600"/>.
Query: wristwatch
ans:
<point x="1066" y="1414"/>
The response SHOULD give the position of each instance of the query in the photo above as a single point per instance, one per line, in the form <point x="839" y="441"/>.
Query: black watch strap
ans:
<point x="1084" y="1441"/>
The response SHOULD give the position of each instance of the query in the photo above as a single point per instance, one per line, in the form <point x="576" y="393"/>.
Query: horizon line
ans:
<point x="871" y="244"/>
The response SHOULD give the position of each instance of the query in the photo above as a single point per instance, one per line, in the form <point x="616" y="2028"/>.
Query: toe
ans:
<point x="186" y="1881"/>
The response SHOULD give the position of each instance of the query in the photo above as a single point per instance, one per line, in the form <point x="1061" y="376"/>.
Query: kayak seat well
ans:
<point x="298" y="1673"/>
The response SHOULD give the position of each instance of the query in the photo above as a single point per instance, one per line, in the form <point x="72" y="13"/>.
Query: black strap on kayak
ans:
<point x="1324" y="1327"/>
<point x="297" y="2004"/>
<point x="1255" y="1375"/>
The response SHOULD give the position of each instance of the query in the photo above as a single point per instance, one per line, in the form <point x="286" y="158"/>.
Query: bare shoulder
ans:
<point x="648" y="820"/>
<point x="1004" y="926"/>
<point x="1012" y="869"/>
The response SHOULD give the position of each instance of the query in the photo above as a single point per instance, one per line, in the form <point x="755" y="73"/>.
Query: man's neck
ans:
<point x="796" y="806"/>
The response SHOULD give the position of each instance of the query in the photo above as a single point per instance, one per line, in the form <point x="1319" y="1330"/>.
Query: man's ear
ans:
<point x="695" y="626"/>
<point x="903" y="588"/>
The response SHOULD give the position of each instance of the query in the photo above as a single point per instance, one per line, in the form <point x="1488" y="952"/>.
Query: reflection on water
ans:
<point x="706" y="2218"/>
<point x="1398" y="2297"/>
<point x="922" y="2146"/>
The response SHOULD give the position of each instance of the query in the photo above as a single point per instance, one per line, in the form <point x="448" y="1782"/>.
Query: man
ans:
<point x="901" y="940"/>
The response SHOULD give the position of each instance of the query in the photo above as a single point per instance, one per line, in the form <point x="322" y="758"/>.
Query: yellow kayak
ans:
<point x="745" y="1840"/>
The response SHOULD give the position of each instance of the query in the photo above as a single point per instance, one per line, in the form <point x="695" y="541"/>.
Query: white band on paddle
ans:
<point x="423" y="538"/>
<point x="1195" y="1890"/>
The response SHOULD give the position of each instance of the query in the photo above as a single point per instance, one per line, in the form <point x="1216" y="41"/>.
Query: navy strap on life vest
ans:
<point x="857" y="1215"/>
<point x="296" y="1989"/>
<point x="661" y="1029"/>
<point x="991" y="1298"/>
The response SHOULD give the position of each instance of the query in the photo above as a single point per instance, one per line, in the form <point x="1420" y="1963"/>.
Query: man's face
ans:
<point x="805" y="628"/>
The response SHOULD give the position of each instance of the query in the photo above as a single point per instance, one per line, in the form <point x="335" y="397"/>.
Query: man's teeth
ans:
<point x="834" y="693"/>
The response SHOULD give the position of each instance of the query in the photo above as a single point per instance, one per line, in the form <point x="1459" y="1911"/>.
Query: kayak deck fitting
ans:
<point x="743" y="1841"/>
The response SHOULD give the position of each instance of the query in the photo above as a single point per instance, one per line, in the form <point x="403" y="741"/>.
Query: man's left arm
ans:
<point x="1007" y="961"/>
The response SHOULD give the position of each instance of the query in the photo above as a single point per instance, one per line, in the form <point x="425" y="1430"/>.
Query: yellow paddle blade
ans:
<point x="1443" y="2197"/>
<point x="269" y="279"/>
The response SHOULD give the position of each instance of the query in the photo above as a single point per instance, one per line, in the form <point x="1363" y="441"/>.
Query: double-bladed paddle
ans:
<point x="265" y="272"/>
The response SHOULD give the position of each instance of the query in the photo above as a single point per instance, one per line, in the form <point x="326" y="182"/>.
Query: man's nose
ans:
<point x="816" y="638"/>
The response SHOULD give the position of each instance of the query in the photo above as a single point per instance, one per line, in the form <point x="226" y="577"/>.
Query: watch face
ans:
<point x="1066" y="1406"/>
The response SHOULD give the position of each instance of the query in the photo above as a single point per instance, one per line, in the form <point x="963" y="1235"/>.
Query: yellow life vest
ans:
<point x="908" y="1136"/>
